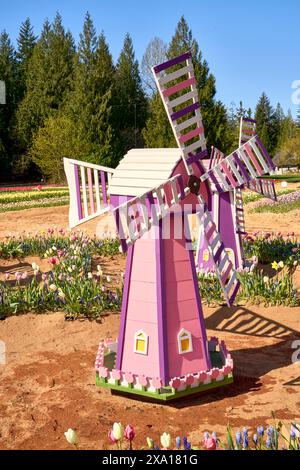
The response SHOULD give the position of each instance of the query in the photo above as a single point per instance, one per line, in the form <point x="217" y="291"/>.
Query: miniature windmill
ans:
<point x="162" y="350"/>
<point x="227" y="208"/>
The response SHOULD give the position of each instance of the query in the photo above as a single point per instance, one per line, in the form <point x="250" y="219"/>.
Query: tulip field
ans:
<point x="61" y="293"/>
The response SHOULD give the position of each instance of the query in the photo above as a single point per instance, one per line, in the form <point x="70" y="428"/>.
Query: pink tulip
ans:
<point x="50" y="231"/>
<point x="25" y="275"/>
<point x="7" y="275"/>
<point x="53" y="260"/>
<point x="111" y="436"/>
<point x="129" y="432"/>
<point x="44" y="277"/>
<point x="18" y="276"/>
<point x="210" y="443"/>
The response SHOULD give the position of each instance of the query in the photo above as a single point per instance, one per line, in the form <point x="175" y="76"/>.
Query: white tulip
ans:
<point x="90" y="275"/>
<point x="118" y="431"/>
<point x="108" y="278"/>
<point x="165" y="440"/>
<point x="266" y="279"/>
<point x="52" y="287"/>
<point x="284" y="184"/>
<point x="71" y="436"/>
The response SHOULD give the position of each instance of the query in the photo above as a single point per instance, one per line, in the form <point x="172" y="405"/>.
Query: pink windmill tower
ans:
<point x="162" y="349"/>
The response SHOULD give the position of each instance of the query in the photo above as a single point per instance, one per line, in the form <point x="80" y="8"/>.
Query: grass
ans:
<point x="277" y="209"/>
<point x="289" y="177"/>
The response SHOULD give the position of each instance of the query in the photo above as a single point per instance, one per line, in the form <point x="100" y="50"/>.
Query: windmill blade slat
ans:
<point x="264" y="187"/>
<point x="215" y="157"/>
<point x="164" y="79"/>
<point x="244" y="157"/>
<point x="192" y="142"/>
<point x="239" y="212"/>
<point x="135" y="217"/>
<point x="223" y="266"/>
<point x="83" y="191"/>
<point x="247" y="129"/>
<point x="231" y="172"/>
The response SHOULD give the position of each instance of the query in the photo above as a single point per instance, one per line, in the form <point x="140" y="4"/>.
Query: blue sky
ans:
<point x="251" y="46"/>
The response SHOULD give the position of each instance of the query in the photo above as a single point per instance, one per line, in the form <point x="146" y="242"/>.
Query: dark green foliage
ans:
<point x="49" y="75"/>
<point x="8" y="73"/>
<point x="90" y="101"/>
<point x="130" y="104"/>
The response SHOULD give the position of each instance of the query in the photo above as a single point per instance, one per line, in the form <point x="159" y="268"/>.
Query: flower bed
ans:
<point x="268" y="247"/>
<point x="12" y="200"/>
<point x="284" y="203"/>
<point x="70" y="285"/>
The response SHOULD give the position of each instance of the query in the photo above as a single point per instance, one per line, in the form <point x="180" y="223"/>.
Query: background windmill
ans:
<point x="227" y="208"/>
<point x="162" y="349"/>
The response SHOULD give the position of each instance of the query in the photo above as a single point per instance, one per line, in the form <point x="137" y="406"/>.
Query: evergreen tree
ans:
<point x="8" y="75"/>
<point x="26" y="42"/>
<point x="90" y="102"/>
<point x="48" y="80"/>
<point x="240" y="112"/>
<point x="263" y="116"/>
<point x="277" y="119"/>
<point x="130" y="106"/>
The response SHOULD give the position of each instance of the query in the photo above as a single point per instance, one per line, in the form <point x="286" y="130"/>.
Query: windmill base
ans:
<point x="129" y="384"/>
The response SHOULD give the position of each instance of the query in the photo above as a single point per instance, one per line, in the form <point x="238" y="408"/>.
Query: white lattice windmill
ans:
<point x="227" y="208"/>
<point x="162" y="349"/>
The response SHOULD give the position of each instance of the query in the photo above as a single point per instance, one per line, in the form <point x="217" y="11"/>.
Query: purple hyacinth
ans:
<point x="186" y="444"/>
<point x="238" y="438"/>
<point x="178" y="442"/>
<point x="260" y="431"/>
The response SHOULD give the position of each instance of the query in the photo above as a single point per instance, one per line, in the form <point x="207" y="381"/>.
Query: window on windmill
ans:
<point x="140" y="342"/>
<point x="184" y="339"/>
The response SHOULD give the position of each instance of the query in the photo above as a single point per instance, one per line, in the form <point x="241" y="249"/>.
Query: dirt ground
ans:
<point x="48" y="383"/>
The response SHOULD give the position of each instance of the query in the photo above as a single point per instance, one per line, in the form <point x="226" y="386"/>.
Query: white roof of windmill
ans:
<point x="141" y="170"/>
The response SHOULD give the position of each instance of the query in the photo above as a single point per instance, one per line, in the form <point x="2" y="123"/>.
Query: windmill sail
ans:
<point x="176" y="83"/>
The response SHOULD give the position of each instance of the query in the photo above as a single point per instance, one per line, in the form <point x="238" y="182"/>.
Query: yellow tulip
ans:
<point x="274" y="265"/>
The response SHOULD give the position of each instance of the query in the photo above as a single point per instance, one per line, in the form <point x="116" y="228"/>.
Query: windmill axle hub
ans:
<point x="194" y="184"/>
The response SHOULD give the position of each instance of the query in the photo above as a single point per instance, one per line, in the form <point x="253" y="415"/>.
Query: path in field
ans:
<point x="38" y="219"/>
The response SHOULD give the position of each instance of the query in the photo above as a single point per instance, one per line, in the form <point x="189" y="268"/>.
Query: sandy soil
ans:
<point x="47" y="384"/>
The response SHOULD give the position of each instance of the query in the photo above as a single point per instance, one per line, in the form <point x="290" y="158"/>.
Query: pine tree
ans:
<point x="8" y="75"/>
<point x="48" y="81"/>
<point x="90" y="102"/>
<point x="130" y="106"/>
<point x="263" y="116"/>
<point x="277" y="119"/>
<point x="26" y="42"/>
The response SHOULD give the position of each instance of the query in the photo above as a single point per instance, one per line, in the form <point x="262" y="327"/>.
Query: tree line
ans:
<point x="68" y="100"/>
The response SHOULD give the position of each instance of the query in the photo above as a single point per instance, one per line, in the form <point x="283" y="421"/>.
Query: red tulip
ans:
<point x="210" y="443"/>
